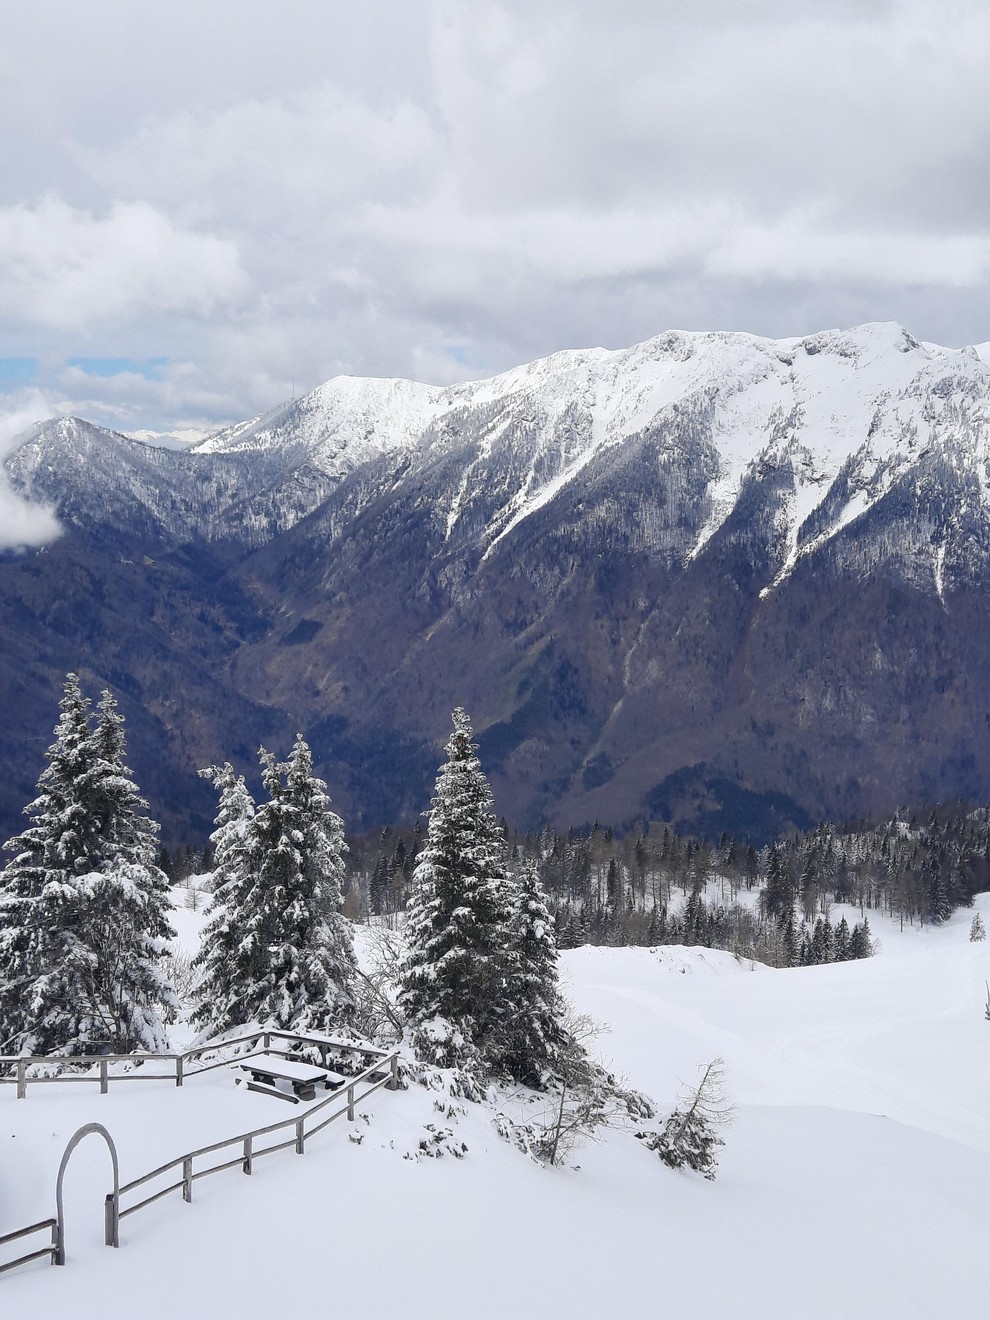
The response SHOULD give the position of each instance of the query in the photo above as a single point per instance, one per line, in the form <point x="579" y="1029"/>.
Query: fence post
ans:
<point x="56" y="1246"/>
<point x="111" y="1221"/>
<point x="350" y="1103"/>
<point x="187" y="1180"/>
<point x="393" y="1082"/>
<point x="178" y="1069"/>
<point x="247" y="1165"/>
<point x="266" y="1040"/>
<point x="104" y="1086"/>
<point x="300" y="1136"/>
<point x="21" y="1078"/>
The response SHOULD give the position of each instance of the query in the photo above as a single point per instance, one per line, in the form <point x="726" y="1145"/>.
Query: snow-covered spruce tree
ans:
<point x="690" y="1135"/>
<point x="40" y="1010"/>
<point x="532" y="1036"/>
<point x="977" y="930"/>
<point x="860" y="941"/>
<point x="224" y="966"/>
<point x="936" y="888"/>
<point x="842" y="941"/>
<point x="452" y="980"/>
<point x="294" y="964"/>
<point x="84" y="904"/>
<point x="778" y="890"/>
<point x="789" y="948"/>
<point x="823" y="942"/>
<point x="124" y="928"/>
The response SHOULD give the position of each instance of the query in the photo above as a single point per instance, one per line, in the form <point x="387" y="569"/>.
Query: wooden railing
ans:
<point x="326" y="1045"/>
<point x="373" y="1077"/>
<point x="382" y="1071"/>
<point x="51" y="1251"/>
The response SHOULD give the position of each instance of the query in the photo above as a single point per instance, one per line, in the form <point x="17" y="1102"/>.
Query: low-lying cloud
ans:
<point x="22" y="523"/>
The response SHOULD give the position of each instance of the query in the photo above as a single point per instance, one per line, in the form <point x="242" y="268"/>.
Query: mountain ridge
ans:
<point x="662" y="578"/>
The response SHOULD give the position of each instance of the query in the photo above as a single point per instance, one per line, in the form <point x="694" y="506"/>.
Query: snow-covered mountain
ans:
<point x="847" y="412"/>
<point x="864" y="404"/>
<point x="712" y="577"/>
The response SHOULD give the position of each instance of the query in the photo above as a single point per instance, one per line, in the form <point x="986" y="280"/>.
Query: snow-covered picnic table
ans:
<point x="266" y="1070"/>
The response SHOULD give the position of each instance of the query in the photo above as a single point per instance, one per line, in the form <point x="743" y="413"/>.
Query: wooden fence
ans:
<point x="382" y="1071"/>
<point x="22" y="1077"/>
<point x="45" y="1225"/>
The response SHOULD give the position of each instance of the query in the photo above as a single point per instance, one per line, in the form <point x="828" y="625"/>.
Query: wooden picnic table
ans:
<point x="267" y="1070"/>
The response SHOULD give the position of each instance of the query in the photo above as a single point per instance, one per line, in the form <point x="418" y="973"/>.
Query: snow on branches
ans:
<point x="83" y="904"/>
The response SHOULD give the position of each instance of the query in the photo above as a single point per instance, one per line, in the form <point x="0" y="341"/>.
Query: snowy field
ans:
<point x="855" y="1181"/>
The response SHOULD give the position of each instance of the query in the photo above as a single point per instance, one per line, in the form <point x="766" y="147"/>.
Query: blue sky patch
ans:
<point x="15" y="373"/>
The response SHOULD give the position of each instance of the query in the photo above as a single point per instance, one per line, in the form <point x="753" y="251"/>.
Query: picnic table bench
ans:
<point x="267" y="1070"/>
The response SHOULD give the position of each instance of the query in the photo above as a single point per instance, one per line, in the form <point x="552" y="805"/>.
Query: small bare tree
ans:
<point x="690" y="1135"/>
<point x="584" y="1104"/>
<point x="583" y="1099"/>
<point x="378" y="1015"/>
<point x="182" y="974"/>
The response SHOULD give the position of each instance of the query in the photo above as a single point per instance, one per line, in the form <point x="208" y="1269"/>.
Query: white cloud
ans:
<point x="797" y="248"/>
<point x="508" y="178"/>
<point x="23" y="524"/>
<point x="64" y="268"/>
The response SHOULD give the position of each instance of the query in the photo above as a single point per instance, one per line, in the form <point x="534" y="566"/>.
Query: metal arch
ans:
<point x="112" y="1209"/>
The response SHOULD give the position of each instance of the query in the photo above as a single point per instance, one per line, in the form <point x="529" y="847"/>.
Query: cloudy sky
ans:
<point x="205" y="206"/>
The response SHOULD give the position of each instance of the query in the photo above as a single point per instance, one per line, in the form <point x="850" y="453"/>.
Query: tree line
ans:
<point x="774" y="904"/>
<point x="84" y="903"/>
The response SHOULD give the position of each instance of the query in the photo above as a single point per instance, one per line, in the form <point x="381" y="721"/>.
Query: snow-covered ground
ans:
<point x="855" y="1181"/>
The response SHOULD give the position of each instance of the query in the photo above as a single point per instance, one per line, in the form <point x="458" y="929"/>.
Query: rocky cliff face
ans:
<point x="731" y="582"/>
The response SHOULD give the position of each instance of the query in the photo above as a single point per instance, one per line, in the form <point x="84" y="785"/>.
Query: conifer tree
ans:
<point x="581" y="933"/>
<point x="778" y="892"/>
<point x="39" y="899"/>
<point x="452" y="978"/>
<point x="83" y="905"/>
<point x="823" y="942"/>
<point x="804" y="945"/>
<point x="378" y="886"/>
<point x="532" y="1037"/>
<point x="612" y="886"/>
<point x="224" y="966"/>
<point x="842" y="941"/>
<point x="294" y="963"/>
<point x="790" y="949"/>
<point x="939" y="904"/>
<point x="124" y="924"/>
<point x="860" y="942"/>
<point x="657" y="930"/>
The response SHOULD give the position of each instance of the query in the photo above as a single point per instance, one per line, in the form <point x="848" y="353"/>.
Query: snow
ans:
<point x="855" y="1180"/>
<point x="869" y="389"/>
<point x="343" y="423"/>
<point x="871" y="399"/>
